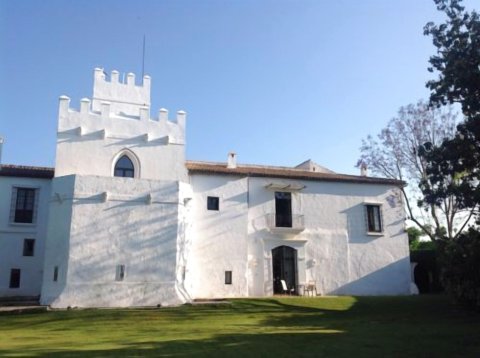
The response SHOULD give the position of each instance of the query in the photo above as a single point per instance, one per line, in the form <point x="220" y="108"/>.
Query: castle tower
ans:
<point x="117" y="122"/>
<point x="116" y="214"/>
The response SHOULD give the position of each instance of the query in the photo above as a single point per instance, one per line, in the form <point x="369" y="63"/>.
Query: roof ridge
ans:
<point x="16" y="166"/>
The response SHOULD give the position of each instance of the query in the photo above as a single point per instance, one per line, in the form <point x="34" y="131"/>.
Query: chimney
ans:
<point x="363" y="170"/>
<point x="232" y="160"/>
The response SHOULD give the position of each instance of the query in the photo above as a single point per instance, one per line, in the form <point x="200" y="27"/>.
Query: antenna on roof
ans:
<point x="143" y="58"/>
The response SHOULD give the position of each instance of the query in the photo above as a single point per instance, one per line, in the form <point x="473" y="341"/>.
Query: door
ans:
<point x="284" y="261"/>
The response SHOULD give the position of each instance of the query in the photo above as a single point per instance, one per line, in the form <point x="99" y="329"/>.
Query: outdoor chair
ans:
<point x="285" y="288"/>
<point x="310" y="288"/>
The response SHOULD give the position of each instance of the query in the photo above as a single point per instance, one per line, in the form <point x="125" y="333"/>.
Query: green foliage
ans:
<point x="457" y="59"/>
<point x="453" y="168"/>
<point x="422" y="245"/>
<point x="414" y="233"/>
<point x="460" y="263"/>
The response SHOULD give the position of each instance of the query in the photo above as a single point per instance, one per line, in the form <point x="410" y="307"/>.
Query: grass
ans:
<point x="421" y="326"/>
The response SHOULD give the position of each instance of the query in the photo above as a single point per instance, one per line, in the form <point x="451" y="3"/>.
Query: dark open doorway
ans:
<point x="283" y="209"/>
<point x="284" y="261"/>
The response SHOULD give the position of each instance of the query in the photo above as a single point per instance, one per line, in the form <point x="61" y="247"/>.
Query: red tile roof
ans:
<point x="22" y="171"/>
<point x="283" y="172"/>
<point x="221" y="168"/>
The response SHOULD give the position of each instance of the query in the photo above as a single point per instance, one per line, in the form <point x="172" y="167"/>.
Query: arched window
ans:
<point x="124" y="168"/>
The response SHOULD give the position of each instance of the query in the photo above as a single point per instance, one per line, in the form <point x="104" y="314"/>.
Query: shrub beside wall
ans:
<point x="460" y="268"/>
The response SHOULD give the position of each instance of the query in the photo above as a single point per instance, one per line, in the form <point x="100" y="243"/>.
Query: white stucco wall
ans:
<point x="219" y="238"/>
<point x="134" y="224"/>
<point x="123" y="94"/>
<point x="334" y="249"/>
<point x="12" y="236"/>
<point x="158" y="225"/>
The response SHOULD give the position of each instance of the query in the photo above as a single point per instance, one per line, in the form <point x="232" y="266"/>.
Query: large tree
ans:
<point x="453" y="168"/>
<point x="393" y="153"/>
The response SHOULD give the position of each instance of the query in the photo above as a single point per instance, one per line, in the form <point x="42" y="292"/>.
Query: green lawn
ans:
<point x="426" y="326"/>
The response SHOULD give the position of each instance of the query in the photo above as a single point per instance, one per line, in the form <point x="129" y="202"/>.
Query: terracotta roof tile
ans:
<point x="9" y="170"/>
<point x="283" y="172"/>
<point x="221" y="168"/>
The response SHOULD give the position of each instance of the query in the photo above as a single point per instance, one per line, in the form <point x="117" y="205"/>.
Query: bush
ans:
<point x="427" y="271"/>
<point x="460" y="268"/>
<point x="422" y="245"/>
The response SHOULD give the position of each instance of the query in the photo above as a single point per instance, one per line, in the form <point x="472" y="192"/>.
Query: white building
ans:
<point x="125" y="220"/>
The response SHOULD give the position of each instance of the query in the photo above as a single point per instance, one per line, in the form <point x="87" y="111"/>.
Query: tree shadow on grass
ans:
<point x="370" y="326"/>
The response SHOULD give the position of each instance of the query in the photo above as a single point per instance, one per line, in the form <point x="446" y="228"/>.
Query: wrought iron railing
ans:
<point x="293" y="222"/>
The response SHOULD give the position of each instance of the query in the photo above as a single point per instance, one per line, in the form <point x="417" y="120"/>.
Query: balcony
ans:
<point x="291" y="225"/>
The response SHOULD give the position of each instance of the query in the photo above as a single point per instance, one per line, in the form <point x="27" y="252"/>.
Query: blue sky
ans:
<point x="276" y="81"/>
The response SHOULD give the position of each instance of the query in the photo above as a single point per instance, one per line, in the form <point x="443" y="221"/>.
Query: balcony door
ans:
<point x="284" y="262"/>
<point x="283" y="209"/>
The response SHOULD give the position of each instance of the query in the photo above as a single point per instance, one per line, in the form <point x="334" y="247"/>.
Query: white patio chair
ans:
<point x="311" y="287"/>
<point x="285" y="288"/>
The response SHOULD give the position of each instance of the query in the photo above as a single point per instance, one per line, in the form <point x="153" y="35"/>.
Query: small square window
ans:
<point x="374" y="218"/>
<point x="213" y="203"/>
<point x="55" y="274"/>
<point x="228" y="277"/>
<point x="120" y="274"/>
<point x="28" y="247"/>
<point x="14" y="278"/>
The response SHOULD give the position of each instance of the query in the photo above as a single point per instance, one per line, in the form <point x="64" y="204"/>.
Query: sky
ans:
<point x="278" y="82"/>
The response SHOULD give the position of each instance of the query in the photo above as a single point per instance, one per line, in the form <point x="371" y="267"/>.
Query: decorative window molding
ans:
<point x="133" y="159"/>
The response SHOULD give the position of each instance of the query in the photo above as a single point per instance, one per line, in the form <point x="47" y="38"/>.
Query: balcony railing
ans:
<point x="293" y="224"/>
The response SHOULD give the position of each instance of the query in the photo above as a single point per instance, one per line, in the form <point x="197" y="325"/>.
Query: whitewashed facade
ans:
<point x="132" y="223"/>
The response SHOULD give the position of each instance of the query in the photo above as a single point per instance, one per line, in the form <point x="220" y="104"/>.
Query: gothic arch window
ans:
<point x="126" y="165"/>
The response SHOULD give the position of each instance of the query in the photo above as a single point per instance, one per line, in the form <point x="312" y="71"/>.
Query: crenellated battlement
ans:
<point x="100" y="76"/>
<point x="118" y="119"/>
<point x="105" y="111"/>
<point x="124" y="95"/>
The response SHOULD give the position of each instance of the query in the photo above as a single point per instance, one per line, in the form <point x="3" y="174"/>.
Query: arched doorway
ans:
<point x="284" y="262"/>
